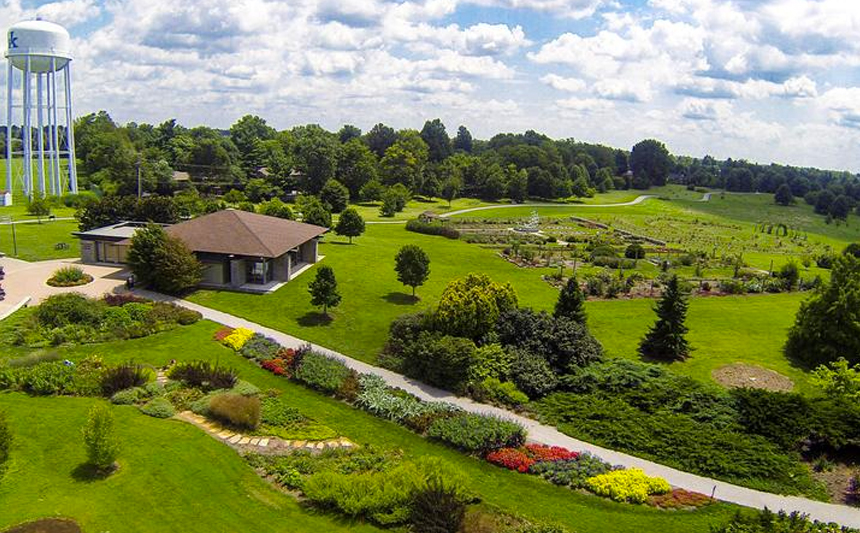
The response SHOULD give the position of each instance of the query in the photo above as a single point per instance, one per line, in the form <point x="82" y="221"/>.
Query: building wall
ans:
<point x="237" y="272"/>
<point x="88" y="251"/>
<point x="308" y="251"/>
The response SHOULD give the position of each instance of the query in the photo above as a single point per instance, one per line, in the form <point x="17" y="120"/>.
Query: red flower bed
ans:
<point x="276" y="366"/>
<point x="543" y="453"/>
<point x="679" y="499"/>
<point x="511" y="458"/>
<point x="222" y="333"/>
<point x="288" y="356"/>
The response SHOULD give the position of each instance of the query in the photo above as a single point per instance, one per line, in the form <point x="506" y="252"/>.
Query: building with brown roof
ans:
<point x="239" y="250"/>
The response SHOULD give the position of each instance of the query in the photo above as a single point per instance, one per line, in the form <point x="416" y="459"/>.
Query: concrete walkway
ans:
<point x="636" y="201"/>
<point x="543" y="434"/>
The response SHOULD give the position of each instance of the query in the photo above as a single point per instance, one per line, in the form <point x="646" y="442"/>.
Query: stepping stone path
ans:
<point x="264" y="445"/>
<point x="161" y="377"/>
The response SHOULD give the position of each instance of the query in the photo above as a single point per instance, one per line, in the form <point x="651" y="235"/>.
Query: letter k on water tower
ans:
<point x="37" y="51"/>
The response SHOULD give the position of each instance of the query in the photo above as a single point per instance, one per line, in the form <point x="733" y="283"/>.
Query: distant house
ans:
<point x="5" y="198"/>
<point x="180" y="176"/>
<point x="239" y="250"/>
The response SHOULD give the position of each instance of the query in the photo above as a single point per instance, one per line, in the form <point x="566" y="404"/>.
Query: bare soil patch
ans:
<point x="743" y="375"/>
<point x="838" y="482"/>
<point x="47" y="525"/>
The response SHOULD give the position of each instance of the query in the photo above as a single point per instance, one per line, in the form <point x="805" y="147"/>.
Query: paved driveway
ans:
<point x="27" y="280"/>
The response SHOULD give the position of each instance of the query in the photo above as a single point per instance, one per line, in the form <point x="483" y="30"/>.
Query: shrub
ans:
<point x="69" y="276"/>
<point x="439" y="360"/>
<point x="87" y="378"/>
<point x="781" y="417"/>
<point x="322" y="372"/>
<point x="186" y="317"/>
<point x="138" y="311"/>
<point x="100" y="439"/>
<point x="470" y="306"/>
<point x="533" y="375"/>
<point x="237" y="410"/>
<point x="571" y="472"/>
<point x="276" y="366"/>
<point x="477" y="433"/>
<point x="222" y="334"/>
<point x="433" y="228"/>
<point x="245" y="389"/>
<point x="627" y="485"/>
<point x="490" y="361"/>
<point x="634" y="251"/>
<point x="121" y="299"/>
<point x="377" y="398"/>
<point x="69" y="308"/>
<point x="437" y="509"/>
<point x="33" y="359"/>
<point x="117" y="321"/>
<point x="782" y="522"/>
<point x="237" y="339"/>
<point x="158" y="408"/>
<point x="505" y="393"/>
<point x="679" y="499"/>
<point x="276" y="412"/>
<point x="47" y="378"/>
<point x="260" y="348"/>
<point x="128" y="396"/>
<point x="124" y="376"/>
<point x="204" y="375"/>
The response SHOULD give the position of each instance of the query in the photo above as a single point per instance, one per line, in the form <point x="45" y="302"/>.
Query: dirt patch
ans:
<point x="837" y="479"/>
<point x="751" y="376"/>
<point x="47" y="525"/>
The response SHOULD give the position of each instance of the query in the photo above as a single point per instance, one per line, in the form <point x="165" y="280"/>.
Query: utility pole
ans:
<point x="137" y="166"/>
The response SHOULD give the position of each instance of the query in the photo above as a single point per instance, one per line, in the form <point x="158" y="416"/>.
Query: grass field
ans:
<point x="181" y="480"/>
<point x="37" y="242"/>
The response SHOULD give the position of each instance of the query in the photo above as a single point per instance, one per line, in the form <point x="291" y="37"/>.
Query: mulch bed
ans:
<point x="47" y="525"/>
<point x="738" y="375"/>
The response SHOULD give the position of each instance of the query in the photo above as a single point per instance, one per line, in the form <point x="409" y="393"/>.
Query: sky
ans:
<point x="764" y="80"/>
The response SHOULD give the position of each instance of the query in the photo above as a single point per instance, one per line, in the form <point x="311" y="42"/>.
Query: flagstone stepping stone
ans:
<point x="226" y="434"/>
<point x="264" y="442"/>
<point x="234" y="439"/>
<point x="244" y="440"/>
<point x="254" y="442"/>
<point x="299" y="444"/>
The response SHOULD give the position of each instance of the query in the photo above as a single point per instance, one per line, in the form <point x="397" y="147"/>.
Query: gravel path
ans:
<point x="544" y="434"/>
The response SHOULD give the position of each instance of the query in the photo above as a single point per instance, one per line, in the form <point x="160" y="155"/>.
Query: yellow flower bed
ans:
<point x="630" y="485"/>
<point x="238" y="338"/>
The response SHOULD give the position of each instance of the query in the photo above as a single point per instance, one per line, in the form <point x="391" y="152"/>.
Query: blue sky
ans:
<point x="766" y="80"/>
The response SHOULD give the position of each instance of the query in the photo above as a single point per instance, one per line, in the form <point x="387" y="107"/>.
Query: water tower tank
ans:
<point x="41" y="41"/>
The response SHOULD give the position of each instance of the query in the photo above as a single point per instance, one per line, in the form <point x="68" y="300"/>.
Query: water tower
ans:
<point x="39" y="56"/>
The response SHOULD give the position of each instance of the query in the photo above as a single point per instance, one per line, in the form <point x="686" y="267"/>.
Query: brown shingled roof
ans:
<point x="244" y="233"/>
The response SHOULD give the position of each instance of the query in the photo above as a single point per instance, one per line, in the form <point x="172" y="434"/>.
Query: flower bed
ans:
<point x="237" y="338"/>
<point x="627" y="485"/>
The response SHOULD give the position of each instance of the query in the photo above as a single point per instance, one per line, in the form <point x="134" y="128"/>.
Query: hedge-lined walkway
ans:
<point x="257" y="443"/>
<point x="543" y="434"/>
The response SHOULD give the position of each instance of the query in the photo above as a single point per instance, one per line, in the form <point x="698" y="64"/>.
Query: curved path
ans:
<point x="635" y="201"/>
<point x="544" y="434"/>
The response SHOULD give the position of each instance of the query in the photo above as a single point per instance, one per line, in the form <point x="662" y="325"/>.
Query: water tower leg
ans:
<point x="59" y="184"/>
<point x="9" y="83"/>
<point x="70" y="132"/>
<point x="40" y="139"/>
<point x="27" y="134"/>
<point x="50" y="136"/>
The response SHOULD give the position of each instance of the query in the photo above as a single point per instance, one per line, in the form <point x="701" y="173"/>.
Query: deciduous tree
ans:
<point x="323" y="289"/>
<point x="412" y="266"/>
<point x="100" y="439"/>
<point x="349" y="224"/>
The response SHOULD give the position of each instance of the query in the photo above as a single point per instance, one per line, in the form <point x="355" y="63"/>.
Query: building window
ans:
<point x="259" y="272"/>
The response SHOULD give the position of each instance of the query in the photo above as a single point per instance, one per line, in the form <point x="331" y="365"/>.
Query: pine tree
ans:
<point x="666" y="341"/>
<point x="571" y="302"/>
<point x="323" y="289"/>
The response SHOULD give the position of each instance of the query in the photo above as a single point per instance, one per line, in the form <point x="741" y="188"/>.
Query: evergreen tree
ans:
<point x="335" y="195"/>
<point x="350" y="224"/>
<point x="666" y="341"/>
<point x="314" y="212"/>
<point x="571" y="302"/>
<point x="162" y="261"/>
<point x="463" y="141"/>
<point x="412" y="266"/>
<point x="323" y="289"/>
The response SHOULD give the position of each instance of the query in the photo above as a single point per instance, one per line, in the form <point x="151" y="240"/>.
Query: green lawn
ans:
<point x="37" y="242"/>
<point x="723" y="330"/>
<point x="187" y="467"/>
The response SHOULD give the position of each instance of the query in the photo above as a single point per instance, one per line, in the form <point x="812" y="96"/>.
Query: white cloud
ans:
<point x="564" y="84"/>
<point x="575" y="9"/>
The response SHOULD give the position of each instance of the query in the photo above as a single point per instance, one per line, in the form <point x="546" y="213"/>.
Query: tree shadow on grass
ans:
<point x="314" y="319"/>
<point x="342" y="243"/>
<point x="87" y="473"/>
<point x="400" y="298"/>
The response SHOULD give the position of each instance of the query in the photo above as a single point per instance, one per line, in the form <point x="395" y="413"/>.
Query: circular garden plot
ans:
<point x="751" y="376"/>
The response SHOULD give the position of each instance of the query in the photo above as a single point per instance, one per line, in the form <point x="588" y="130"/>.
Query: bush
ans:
<point x="204" y="375"/>
<point x="627" y="485"/>
<point x="69" y="276"/>
<point x="124" y="376"/>
<point x="100" y="439"/>
<point x="158" y="408"/>
<point x="128" y="396"/>
<point x="634" y="251"/>
<point x="121" y="299"/>
<point x="477" y="433"/>
<point x="237" y="410"/>
<point x="69" y="308"/>
<point x="377" y="398"/>
<point x="433" y="228"/>
<point x="532" y="374"/>
<point x="237" y="338"/>
<point x="490" y="361"/>
<point x="440" y="360"/>
<point x="5" y="442"/>
<point x="437" y="509"/>
<point x="322" y="372"/>
<point x="782" y="522"/>
<point x="47" y="379"/>
<point x="186" y="317"/>
<point x="505" y="393"/>
<point x="260" y="348"/>
<point x="571" y="472"/>
<point x="245" y="389"/>
<point x="87" y="378"/>
<point x="781" y="417"/>
<point x="276" y="412"/>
